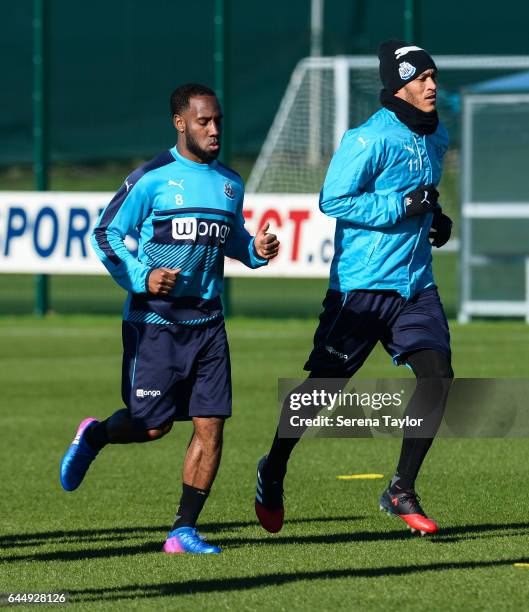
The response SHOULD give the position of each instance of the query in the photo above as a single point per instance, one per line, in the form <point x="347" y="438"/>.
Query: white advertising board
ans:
<point x="49" y="233"/>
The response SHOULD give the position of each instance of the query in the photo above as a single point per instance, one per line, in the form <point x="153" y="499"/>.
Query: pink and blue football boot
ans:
<point x="77" y="458"/>
<point x="188" y="540"/>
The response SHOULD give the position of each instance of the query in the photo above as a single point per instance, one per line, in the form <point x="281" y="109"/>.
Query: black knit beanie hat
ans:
<point x="401" y="62"/>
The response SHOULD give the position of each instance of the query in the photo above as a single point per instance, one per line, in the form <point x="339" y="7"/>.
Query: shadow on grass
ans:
<point x="448" y="535"/>
<point x="190" y="587"/>
<point x="127" y="533"/>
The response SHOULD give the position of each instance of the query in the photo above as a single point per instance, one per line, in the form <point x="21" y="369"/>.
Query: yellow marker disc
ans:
<point x="360" y="476"/>
<point x="521" y="565"/>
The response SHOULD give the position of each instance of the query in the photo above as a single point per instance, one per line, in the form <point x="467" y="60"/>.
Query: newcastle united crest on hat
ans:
<point x="406" y="71"/>
<point x="401" y="62"/>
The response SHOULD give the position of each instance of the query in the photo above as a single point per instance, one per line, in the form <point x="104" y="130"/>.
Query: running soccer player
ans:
<point x="381" y="188"/>
<point x="187" y="208"/>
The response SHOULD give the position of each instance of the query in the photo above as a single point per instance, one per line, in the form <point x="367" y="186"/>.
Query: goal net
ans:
<point x="495" y="205"/>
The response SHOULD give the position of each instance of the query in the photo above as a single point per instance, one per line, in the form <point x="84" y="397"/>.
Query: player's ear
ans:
<point x="179" y="123"/>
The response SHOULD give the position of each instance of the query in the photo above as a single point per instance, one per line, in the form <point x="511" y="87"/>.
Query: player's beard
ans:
<point x="193" y="147"/>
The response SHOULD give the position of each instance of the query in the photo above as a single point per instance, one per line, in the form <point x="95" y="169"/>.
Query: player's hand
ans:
<point x="441" y="229"/>
<point x="266" y="245"/>
<point x="162" y="280"/>
<point x="421" y="200"/>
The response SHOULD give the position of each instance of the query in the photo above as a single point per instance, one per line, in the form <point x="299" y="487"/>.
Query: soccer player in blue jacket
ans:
<point x="381" y="189"/>
<point x="187" y="208"/>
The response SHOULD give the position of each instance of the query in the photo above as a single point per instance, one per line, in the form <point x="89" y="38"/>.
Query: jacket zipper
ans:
<point x="417" y="237"/>
<point x="428" y="158"/>
<point x="431" y="175"/>
<point x="418" y="152"/>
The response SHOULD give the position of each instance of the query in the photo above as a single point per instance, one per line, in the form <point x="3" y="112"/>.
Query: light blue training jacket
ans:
<point x="188" y="216"/>
<point x="374" y="167"/>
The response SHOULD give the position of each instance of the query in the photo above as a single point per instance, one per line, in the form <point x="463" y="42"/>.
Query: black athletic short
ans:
<point x="175" y="372"/>
<point x="352" y="323"/>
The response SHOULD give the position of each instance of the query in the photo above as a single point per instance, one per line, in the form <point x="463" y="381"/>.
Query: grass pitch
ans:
<point x="101" y="544"/>
<point x="255" y="296"/>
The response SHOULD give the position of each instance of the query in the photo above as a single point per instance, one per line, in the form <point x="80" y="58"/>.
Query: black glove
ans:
<point x="441" y="229"/>
<point x="421" y="200"/>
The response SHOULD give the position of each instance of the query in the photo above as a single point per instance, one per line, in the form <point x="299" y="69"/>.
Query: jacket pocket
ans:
<point x="376" y="243"/>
